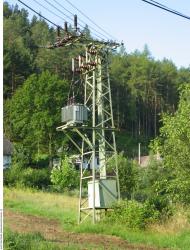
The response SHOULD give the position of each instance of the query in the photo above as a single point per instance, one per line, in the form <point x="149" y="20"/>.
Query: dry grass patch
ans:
<point x="177" y="223"/>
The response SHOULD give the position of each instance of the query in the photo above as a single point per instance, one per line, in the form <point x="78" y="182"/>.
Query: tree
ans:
<point x="174" y="146"/>
<point x="33" y="113"/>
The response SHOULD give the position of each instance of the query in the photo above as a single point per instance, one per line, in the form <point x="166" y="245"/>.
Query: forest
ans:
<point x="151" y="106"/>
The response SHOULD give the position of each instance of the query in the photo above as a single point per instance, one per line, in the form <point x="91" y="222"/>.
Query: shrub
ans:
<point x="133" y="214"/>
<point x="65" y="177"/>
<point x="27" y="177"/>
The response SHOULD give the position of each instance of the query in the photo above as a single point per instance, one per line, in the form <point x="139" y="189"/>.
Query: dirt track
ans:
<point x="52" y="231"/>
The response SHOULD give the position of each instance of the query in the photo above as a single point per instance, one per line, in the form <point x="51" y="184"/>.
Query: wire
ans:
<point x="58" y="9"/>
<point x="90" y="19"/>
<point x="156" y="4"/>
<point x="45" y="18"/>
<point x="81" y="20"/>
<point x="165" y="6"/>
<point x="39" y="14"/>
<point x="70" y="17"/>
<point x="49" y="10"/>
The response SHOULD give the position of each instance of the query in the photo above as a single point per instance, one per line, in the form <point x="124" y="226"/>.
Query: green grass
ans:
<point x="65" y="208"/>
<point x="18" y="241"/>
<point x="49" y="205"/>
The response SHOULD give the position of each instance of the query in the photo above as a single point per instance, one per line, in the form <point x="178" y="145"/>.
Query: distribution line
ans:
<point x="45" y="18"/>
<point x="72" y="19"/>
<point x="92" y="28"/>
<point x="58" y="9"/>
<point x="90" y="19"/>
<point x="60" y="16"/>
<point x="49" y="10"/>
<point x="165" y="8"/>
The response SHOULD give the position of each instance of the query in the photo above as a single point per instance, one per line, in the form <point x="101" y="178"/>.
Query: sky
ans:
<point x="135" y="23"/>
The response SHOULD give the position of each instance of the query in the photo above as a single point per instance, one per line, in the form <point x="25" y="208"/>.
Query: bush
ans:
<point x="65" y="177"/>
<point x="133" y="214"/>
<point x="29" y="177"/>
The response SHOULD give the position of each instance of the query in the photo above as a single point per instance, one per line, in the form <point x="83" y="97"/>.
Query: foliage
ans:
<point x="127" y="174"/>
<point x="133" y="214"/>
<point x="33" y="113"/>
<point x="27" y="177"/>
<point x="174" y="146"/>
<point x="65" y="176"/>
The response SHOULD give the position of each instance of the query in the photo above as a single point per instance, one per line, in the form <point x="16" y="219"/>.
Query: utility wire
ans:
<point x="90" y="19"/>
<point x="71" y="18"/>
<point x="92" y="28"/>
<point x="60" y="16"/>
<point x="39" y="14"/>
<point x="156" y="4"/>
<point x="165" y="6"/>
<point x="49" y="10"/>
<point x="45" y="18"/>
<point x="58" y="9"/>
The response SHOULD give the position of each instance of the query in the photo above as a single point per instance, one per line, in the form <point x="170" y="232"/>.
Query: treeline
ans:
<point x="37" y="80"/>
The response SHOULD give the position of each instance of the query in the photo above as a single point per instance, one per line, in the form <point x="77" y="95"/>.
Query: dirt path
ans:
<point x="52" y="231"/>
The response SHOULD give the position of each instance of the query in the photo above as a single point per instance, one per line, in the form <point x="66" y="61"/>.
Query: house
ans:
<point x="7" y="152"/>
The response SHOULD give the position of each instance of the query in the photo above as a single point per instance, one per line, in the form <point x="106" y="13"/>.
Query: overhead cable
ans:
<point x="45" y="18"/>
<point x="48" y="20"/>
<point x="163" y="7"/>
<point x="90" y="27"/>
<point x="52" y="5"/>
<point x="89" y="19"/>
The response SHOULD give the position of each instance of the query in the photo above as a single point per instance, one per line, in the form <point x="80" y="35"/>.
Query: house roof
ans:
<point x="7" y="147"/>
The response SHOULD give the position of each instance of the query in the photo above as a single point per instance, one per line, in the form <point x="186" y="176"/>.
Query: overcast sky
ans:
<point x="134" y="22"/>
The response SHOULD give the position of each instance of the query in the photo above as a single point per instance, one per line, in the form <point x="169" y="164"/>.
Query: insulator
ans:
<point x="65" y="27"/>
<point x="75" y="22"/>
<point x="58" y="31"/>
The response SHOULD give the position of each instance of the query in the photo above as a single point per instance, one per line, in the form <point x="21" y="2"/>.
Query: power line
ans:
<point x="92" y="28"/>
<point x="70" y="17"/>
<point x="45" y="18"/>
<point x="49" y="10"/>
<point x="57" y="9"/>
<point x="163" y="7"/>
<point x="39" y="14"/>
<point x="48" y="20"/>
<point x="89" y="19"/>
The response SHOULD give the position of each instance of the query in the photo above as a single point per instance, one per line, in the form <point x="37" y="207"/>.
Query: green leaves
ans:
<point x="174" y="146"/>
<point x="33" y="113"/>
<point x="65" y="176"/>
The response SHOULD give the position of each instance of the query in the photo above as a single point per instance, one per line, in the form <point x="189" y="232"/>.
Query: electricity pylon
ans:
<point x="97" y="133"/>
<point x="98" y="136"/>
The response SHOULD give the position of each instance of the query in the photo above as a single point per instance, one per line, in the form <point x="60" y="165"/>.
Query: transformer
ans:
<point x="75" y="113"/>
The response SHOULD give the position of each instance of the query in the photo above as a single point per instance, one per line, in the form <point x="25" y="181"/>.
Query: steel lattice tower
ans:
<point x="98" y="136"/>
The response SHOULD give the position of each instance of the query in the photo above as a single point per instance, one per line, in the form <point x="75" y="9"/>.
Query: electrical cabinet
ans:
<point x="105" y="193"/>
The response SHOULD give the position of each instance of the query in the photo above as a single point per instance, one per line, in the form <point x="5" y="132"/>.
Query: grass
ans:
<point x="18" y="241"/>
<point x="64" y="209"/>
<point x="49" y="205"/>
